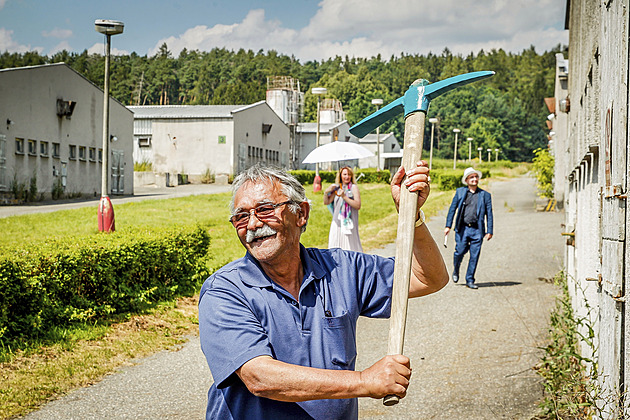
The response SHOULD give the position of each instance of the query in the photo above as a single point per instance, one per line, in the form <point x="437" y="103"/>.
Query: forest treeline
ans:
<point x="504" y="112"/>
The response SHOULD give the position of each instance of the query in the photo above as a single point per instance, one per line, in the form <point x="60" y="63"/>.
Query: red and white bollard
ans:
<point x="106" y="222"/>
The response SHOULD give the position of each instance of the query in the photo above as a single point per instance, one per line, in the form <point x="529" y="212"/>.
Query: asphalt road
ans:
<point x="472" y="350"/>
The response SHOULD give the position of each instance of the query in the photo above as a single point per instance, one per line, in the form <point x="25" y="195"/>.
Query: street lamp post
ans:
<point x="496" y="155"/>
<point x="456" y="131"/>
<point x="470" y="139"/>
<point x="480" y="149"/>
<point x="489" y="150"/>
<point x="433" y="121"/>
<point x="378" y="102"/>
<point x="106" y="221"/>
<point x="317" y="182"/>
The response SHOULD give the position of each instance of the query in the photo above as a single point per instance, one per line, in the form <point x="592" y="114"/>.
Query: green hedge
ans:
<point x="370" y="175"/>
<point x="57" y="284"/>
<point x="450" y="179"/>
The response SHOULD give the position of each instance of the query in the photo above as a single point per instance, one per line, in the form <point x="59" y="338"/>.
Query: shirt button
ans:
<point x="294" y="303"/>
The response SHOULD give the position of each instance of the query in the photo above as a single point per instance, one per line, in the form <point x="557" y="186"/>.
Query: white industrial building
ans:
<point x="390" y="152"/>
<point x="589" y="139"/>
<point x="199" y="139"/>
<point x="51" y="130"/>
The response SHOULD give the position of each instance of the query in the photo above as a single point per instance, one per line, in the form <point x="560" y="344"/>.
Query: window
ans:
<point x="55" y="150"/>
<point x="19" y="146"/>
<point x="144" y="142"/>
<point x="32" y="147"/>
<point x="249" y="151"/>
<point x="222" y="140"/>
<point x="92" y="154"/>
<point x="82" y="152"/>
<point x="72" y="152"/>
<point x="43" y="148"/>
<point x="100" y="155"/>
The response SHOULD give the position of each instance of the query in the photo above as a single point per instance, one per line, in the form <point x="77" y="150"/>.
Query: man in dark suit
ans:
<point x="474" y="207"/>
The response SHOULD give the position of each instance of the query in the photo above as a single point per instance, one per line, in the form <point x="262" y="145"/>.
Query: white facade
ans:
<point x="221" y="139"/>
<point x="390" y="153"/>
<point x="590" y="142"/>
<point x="328" y="132"/>
<point x="52" y="130"/>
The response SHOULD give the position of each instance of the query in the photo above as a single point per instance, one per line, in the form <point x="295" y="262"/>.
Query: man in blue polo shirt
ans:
<point x="278" y="326"/>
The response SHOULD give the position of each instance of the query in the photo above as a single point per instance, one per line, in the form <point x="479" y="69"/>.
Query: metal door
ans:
<point x="3" y="163"/>
<point x="118" y="172"/>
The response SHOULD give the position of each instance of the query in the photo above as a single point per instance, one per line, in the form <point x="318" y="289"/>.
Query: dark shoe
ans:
<point x="472" y="286"/>
<point x="455" y="278"/>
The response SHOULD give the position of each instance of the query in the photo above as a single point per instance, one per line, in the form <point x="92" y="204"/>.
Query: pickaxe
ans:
<point x="415" y="104"/>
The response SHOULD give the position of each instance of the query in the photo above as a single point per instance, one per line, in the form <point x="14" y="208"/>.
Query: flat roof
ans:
<point x="184" y="111"/>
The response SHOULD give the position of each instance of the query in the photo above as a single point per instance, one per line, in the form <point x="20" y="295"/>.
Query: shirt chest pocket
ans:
<point x="339" y="338"/>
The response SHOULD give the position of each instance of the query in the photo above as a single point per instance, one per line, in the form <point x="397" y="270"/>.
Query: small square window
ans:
<point x="19" y="146"/>
<point x="222" y="140"/>
<point x="144" y="142"/>
<point x="56" y="148"/>
<point x="82" y="152"/>
<point x="72" y="152"/>
<point x="32" y="147"/>
<point x="43" y="148"/>
<point x="92" y="152"/>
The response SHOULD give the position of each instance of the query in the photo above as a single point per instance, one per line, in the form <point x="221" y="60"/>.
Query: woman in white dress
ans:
<point x="345" y="200"/>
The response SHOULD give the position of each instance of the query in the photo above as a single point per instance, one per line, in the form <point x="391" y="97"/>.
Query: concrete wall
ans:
<point x="590" y="144"/>
<point x="28" y="98"/>
<point x="251" y="145"/>
<point x="191" y="146"/>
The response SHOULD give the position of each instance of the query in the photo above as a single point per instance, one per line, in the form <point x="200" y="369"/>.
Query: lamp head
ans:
<point x="377" y="101"/>
<point x="109" y="27"/>
<point x="319" y="91"/>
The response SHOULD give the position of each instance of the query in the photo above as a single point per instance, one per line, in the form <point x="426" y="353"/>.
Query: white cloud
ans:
<point x="99" y="48"/>
<point x="364" y="28"/>
<point x="63" y="45"/>
<point x="57" y="33"/>
<point x="7" y="43"/>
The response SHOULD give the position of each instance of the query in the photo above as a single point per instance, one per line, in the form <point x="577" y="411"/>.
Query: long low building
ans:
<point x="199" y="140"/>
<point x="51" y="133"/>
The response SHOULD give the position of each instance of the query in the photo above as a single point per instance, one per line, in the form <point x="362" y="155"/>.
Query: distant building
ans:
<point x="195" y="140"/>
<point x="51" y="130"/>
<point x="328" y="132"/>
<point x="391" y="153"/>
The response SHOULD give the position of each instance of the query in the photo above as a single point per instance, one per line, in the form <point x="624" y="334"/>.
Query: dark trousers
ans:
<point x="467" y="239"/>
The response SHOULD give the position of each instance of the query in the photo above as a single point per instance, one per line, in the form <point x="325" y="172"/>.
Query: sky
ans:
<point x="306" y="29"/>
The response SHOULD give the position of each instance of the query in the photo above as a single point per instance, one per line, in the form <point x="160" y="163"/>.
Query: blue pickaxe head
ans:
<point x="417" y="98"/>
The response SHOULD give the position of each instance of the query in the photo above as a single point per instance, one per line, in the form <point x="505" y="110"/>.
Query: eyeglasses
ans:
<point x="263" y="213"/>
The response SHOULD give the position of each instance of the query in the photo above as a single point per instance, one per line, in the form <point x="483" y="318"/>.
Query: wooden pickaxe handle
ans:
<point x="407" y="213"/>
<point x="414" y="104"/>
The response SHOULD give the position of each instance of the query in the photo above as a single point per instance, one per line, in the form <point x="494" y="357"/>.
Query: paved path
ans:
<point x="472" y="350"/>
<point x="140" y="193"/>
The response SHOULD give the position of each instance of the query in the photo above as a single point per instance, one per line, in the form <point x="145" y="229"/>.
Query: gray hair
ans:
<point x="289" y="185"/>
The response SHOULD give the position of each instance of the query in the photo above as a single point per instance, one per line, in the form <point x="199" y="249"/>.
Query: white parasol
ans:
<point x="336" y="151"/>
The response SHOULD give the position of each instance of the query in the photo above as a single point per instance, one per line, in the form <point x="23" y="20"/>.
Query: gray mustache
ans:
<point x="264" y="230"/>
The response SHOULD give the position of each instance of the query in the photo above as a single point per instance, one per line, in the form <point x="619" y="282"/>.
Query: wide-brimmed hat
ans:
<point x="468" y="172"/>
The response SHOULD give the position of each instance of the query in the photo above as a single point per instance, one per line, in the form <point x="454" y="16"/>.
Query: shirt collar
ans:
<point x="252" y="274"/>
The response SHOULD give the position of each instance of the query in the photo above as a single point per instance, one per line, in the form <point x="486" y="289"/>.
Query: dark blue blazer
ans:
<point x="484" y="210"/>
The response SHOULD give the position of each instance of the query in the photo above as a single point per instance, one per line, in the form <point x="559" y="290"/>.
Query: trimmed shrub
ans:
<point x="450" y="179"/>
<point x="93" y="278"/>
<point x="370" y="175"/>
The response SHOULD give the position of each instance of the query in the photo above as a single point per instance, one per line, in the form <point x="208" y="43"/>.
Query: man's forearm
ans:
<point x="276" y="380"/>
<point x="428" y="271"/>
